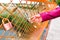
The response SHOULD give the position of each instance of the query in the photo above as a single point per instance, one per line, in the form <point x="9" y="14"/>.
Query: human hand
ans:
<point x="36" y="18"/>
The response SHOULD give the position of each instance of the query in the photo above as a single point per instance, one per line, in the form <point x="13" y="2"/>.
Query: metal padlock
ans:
<point x="7" y="24"/>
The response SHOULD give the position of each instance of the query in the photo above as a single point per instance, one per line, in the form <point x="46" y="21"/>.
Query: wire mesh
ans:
<point x="18" y="14"/>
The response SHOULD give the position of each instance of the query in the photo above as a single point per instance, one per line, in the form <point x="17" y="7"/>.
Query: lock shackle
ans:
<point x="5" y="19"/>
<point x="6" y="23"/>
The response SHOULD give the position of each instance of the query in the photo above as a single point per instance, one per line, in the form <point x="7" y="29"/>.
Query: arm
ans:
<point x="51" y="14"/>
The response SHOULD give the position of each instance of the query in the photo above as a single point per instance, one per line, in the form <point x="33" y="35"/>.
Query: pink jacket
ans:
<point x="51" y="14"/>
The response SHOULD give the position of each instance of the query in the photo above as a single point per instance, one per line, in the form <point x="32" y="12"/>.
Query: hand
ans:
<point x="37" y="34"/>
<point x="37" y="18"/>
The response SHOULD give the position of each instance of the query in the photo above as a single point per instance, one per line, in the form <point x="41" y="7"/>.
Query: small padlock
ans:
<point x="7" y="24"/>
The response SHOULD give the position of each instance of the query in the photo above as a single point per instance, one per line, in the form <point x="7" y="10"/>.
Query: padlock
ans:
<point x="7" y="24"/>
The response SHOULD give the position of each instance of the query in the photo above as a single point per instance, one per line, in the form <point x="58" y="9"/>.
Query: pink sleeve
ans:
<point x="51" y="14"/>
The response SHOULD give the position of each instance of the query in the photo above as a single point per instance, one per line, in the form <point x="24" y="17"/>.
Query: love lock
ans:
<point x="7" y="24"/>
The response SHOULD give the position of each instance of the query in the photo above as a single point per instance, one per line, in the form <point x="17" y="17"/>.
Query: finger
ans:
<point x="37" y="15"/>
<point x="35" y="20"/>
<point x="32" y="19"/>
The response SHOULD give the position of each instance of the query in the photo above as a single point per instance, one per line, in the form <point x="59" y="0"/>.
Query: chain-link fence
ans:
<point x="18" y="15"/>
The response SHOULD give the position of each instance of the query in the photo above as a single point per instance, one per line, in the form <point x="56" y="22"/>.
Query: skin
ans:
<point x="36" y="18"/>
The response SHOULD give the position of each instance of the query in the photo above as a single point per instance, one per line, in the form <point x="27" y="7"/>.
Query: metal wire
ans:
<point x="21" y="14"/>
